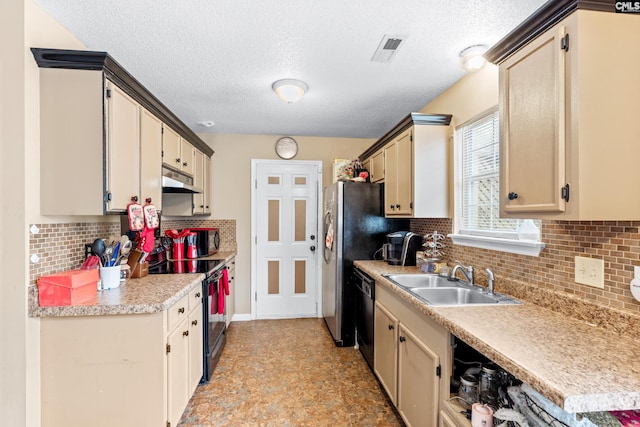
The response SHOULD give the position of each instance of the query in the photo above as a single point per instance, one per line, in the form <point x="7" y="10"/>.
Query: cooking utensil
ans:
<point x="98" y="248"/>
<point x="124" y="251"/>
<point x="114" y="257"/>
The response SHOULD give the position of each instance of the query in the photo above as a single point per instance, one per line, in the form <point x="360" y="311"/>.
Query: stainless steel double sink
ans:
<point x="442" y="291"/>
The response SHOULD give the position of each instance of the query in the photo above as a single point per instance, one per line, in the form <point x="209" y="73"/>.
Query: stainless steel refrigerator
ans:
<point x="354" y="229"/>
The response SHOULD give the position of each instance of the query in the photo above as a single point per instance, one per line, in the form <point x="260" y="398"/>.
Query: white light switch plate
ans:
<point x="589" y="271"/>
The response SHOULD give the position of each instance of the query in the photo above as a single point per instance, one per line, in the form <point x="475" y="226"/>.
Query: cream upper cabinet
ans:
<point x="568" y="124"/>
<point x="413" y="160"/>
<point x="123" y="148"/>
<point x="416" y="165"/>
<point x="199" y="181"/>
<point x="171" y="153"/>
<point x="187" y="155"/>
<point x="177" y="152"/>
<point x="532" y="128"/>
<point x="99" y="135"/>
<point x="92" y="124"/>
<point x="411" y="359"/>
<point x="150" y="158"/>
<point x="206" y="188"/>
<point x="398" y="188"/>
<point x="202" y="180"/>
<point x="376" y="166"/>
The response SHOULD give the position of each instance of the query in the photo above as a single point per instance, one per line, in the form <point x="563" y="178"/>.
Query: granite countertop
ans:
<point x="577" y="365"/>
<point x="149" y="294"/>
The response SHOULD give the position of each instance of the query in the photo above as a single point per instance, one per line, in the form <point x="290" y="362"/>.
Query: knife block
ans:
<point x="138" y="269"/>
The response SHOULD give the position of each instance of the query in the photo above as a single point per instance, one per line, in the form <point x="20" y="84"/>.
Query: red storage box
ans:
<point x="68" y="287"/>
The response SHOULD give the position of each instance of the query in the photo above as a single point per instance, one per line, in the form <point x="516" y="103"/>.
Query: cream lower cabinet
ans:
<point x="118" y="369"/>
<point x="411" y="359"/>
<point x="568" y="123"/>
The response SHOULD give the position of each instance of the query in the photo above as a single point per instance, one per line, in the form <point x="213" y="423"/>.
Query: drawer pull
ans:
<point x="185" y="333"/>
<point x="402" y="339"/>
<point x="194" y="323"/>
<point x="181" y="310"/>
<point x="391" y="327"/>
<point x="197" y="295"/>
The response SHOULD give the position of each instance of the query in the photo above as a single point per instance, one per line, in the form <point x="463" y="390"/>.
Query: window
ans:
<point x="477" y="190"/>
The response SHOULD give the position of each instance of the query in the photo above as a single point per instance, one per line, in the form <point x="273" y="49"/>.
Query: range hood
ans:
<point x="176" y="182"/>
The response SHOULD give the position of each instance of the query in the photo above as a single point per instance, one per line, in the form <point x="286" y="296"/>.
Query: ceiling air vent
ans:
<point x="387" y="48"/>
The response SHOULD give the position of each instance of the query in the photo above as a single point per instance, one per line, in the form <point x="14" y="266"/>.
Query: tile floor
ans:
<point x="289" y="373"/>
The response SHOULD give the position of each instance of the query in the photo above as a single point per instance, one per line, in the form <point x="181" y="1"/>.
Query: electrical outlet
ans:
<point x="589" y="271"/>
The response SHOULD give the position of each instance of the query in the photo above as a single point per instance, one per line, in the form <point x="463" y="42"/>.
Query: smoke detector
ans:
<point x="387" y="48"/>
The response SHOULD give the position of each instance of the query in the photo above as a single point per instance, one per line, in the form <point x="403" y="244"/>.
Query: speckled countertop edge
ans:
<point x="149" y="294"/>
<point x="578" y="366"/>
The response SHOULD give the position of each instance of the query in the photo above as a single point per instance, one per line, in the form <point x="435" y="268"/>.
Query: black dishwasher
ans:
<point x="365" y="302"/>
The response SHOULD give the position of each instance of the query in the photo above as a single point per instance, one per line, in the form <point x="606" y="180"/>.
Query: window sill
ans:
<point x="520" y="247"/>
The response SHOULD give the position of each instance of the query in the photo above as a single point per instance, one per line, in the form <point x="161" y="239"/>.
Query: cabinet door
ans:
<point x="178" y="391"/>
<point x="391" y="179"/>
<point x="385" y="354"/>
<point x="150" y="158"/>
<point x="206" y="188"/>
<point x="377" y="167"/>
<point x="195" y="348"/>
<point x="171" y="148"/>
<point x="446" y="421"/>
<point x="532" y="127"/>
<point x="187" y="156"/>
<point x="404" y="168"/>
<point x="229" y="304"/>
<point x="123" y="149"/>
<point x="198" y="181"/>
<point x="418" y="384"/>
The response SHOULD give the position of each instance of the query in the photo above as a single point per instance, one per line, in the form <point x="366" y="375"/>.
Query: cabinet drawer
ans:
<point x="195" y="297"/>
<point x="177" y="312"/>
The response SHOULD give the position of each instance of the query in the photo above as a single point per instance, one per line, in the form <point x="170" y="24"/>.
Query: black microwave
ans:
<point x="207" y="241"/>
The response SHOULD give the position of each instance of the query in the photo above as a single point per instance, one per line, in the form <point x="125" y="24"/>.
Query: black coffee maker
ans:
<point x="401" y="248"/>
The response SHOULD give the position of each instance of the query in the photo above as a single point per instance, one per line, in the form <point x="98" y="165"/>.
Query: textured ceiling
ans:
<point x="216" y="60"/>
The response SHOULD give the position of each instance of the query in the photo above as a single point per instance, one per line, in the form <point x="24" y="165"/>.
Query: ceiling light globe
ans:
<point x="472" y="59"/>
<point x="290" y="90"/>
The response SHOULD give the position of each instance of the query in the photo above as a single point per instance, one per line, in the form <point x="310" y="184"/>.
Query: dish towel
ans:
<point x="223" y="290"/>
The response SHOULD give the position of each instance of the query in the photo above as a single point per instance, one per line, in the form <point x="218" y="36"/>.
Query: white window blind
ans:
<point x="477" y="195"/>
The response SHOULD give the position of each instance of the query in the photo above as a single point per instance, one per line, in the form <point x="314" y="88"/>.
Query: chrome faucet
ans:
<point x="467" y="272"/>
<point x="490" y="281"/>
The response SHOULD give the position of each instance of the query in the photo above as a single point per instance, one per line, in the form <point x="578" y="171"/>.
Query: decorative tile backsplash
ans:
<point x="615" y="242"/>
<point x="61" y="247"/>
<point x="227" y="229"/>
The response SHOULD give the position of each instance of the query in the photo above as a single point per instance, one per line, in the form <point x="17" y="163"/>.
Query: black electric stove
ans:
<point x="206" y="266"/>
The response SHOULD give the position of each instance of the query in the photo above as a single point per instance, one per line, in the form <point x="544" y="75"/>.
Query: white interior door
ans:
<point x="286" y="239"/>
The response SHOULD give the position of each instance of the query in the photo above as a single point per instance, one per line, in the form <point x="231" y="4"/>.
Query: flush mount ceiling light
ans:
<point x="471" y="58"/>
<point x="290" y="90"/>
<point x="207" y="123"/>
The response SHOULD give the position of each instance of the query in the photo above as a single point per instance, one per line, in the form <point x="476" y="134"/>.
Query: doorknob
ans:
<point x="313" y="248"/>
